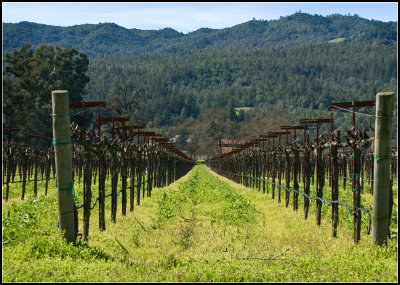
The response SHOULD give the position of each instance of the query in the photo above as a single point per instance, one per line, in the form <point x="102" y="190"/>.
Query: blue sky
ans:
<point x="183" y="17"/>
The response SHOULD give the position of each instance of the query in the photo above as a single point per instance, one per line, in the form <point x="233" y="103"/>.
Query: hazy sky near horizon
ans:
<point x="183" y="16"/>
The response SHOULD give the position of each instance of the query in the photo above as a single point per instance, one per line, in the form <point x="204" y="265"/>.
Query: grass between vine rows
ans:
<point x="203" y="228"/>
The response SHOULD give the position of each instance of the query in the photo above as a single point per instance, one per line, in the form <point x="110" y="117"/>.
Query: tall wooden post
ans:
<point x="268" y="162"/>
<point x="63" y="161"/>
<point x="330" y="142"/>
<point x="304" y="156"/>
<point x="318" y="189"/>
<point x="383" y="136"/>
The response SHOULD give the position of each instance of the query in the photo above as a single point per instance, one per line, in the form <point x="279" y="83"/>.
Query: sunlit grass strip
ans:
<point x="199" y="243"/>
<point x="345" y="202"/>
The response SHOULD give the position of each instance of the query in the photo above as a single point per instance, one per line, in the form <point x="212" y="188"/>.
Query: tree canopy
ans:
<point x="29" y="77"/>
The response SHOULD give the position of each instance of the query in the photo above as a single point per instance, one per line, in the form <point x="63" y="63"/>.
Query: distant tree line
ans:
<point x="185" y="84"/>
<point x="296" y="29"/>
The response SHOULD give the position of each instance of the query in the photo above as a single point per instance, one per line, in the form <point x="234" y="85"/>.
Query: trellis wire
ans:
<point x="327" y="202"/>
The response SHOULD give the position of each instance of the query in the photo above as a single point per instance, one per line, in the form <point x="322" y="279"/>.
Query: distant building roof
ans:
<point x="225" y="145"/>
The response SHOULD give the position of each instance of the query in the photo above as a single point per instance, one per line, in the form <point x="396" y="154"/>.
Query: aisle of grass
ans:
<point x="201" y="228"/>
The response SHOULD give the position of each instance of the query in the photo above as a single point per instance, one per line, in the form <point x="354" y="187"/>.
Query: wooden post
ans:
<point x="383" y="136"/>
<point x="63" y="161"/>
<point x="304" y="156"/>
<point x="330" y="141"/>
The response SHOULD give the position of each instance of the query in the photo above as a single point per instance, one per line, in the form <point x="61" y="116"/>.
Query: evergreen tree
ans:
<point x="30" y="77"/>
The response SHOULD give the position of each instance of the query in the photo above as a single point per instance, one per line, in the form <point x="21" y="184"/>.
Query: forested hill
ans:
<point x="299" y="28"/>
<point x="198" y="85"/>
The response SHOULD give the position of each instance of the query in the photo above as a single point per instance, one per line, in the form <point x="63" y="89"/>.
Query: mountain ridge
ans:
<point x="298" y="28"/>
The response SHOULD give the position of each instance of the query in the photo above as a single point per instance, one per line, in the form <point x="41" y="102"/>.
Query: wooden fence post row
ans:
<point x="153" y="162"/>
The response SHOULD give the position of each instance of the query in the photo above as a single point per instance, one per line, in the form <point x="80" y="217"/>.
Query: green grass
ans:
<point x="201" y="228"/>
<point x="346" y="196"/>
<point x="337" y="40"/>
